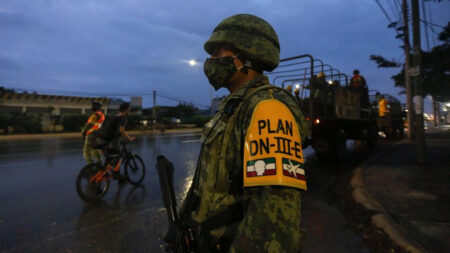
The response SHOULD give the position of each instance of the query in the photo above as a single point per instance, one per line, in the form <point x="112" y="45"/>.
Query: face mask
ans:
<point x="219" y="70"/>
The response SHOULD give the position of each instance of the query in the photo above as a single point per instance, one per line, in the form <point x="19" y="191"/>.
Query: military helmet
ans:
<point x="356" y="72"/>
<point x="252" y="36"/>
<point x="320" y="75"/>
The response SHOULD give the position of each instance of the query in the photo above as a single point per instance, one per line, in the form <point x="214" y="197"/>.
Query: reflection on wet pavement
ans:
<point x="39" y="207"/>
<point x="40" y="210"/>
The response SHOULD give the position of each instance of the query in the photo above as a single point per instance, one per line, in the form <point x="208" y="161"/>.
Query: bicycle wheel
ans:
<point x="91" y="192"/>
<point x="135" y="169"/>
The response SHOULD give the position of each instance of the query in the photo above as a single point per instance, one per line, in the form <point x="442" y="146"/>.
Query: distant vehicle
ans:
<point x="335" y="111"/>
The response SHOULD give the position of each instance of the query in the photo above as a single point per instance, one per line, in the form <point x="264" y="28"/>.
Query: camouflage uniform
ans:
<point x="268" y="217"/>
<point x="225" y="215"/>
<point x="89" y="153"/>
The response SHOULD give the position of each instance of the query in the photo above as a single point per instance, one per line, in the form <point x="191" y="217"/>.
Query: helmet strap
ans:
<point x="242" y="68"/>
<point x="247" y="64"/>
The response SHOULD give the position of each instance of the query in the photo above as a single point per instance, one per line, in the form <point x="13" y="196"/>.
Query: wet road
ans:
<point x="40" y="210"/>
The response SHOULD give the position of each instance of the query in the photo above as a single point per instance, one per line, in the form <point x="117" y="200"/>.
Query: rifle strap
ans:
<point x="209" y="243"/>
<point x="232" y="214"/>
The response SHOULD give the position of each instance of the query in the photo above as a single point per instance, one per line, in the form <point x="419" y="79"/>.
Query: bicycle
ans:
<point x="93" y="180"/>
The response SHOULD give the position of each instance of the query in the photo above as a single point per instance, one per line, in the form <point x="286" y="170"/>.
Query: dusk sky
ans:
<point x="132" y="47"/>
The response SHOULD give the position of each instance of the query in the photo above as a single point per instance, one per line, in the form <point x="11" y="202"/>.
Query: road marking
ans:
<point x="189" y="141"/>
<point x="179" y="135"/>
<point x="183" y="135"/>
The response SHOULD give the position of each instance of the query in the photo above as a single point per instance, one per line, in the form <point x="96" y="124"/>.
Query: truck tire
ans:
<point x="333" y="149"/>
<point x="400" y="130"/>
<point x="372" y="138"/>
<point x="323" y="150"/>
<point x="340" y="146"/>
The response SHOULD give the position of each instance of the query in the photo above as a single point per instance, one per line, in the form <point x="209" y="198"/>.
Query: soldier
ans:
<point x="331" y="92"/>
<point x="357" y="80"/>
<point x="382" y="107"/>
<point x="359" y="85"/>
<point x="92" y="125"/>
<point x="247" y="188"/>
<point x="297" y="95"/>
<point x="289" y="88"/>
<point x="319" y="87"/>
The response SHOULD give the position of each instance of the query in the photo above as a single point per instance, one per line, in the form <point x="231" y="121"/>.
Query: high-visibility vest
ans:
<point x="382" y="107"/>
<point x="96" y="125"/>
<point x="356" y="81"/>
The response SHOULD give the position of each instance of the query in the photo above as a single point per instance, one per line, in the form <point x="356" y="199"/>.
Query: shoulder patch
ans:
<point x="273" y="152"/>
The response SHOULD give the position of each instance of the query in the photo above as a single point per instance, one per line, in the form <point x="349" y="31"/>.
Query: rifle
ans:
<point x="179" y="238"/>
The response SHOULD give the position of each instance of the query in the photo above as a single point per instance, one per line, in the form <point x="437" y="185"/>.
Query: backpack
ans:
<point x="107" y="131"/>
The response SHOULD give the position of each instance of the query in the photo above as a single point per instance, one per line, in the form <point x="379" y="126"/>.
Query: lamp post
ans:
<point x="196" y="62"/>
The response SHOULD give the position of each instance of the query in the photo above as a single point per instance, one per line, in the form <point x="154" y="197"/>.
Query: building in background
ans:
<point x="51" y="107"/>
<point x="113" y="106"/>
<point x="136" y="105"/>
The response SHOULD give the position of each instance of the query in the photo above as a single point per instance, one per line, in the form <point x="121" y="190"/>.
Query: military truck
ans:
<point x="335" y="112"/>
<point x="392" y="125"/>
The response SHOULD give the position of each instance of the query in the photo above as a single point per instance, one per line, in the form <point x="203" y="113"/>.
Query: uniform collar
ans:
<point x="240" y="93"/>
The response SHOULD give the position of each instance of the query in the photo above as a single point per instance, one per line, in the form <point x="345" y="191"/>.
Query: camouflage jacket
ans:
<point x="269" y="217"/>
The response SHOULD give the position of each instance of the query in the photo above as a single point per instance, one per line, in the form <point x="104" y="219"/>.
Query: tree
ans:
<point x="181" y="111"/>
<point x="435" y="73"/>
<point x="445" y="35"/>
<point x="435" y="69"/>
<point x="186" y="111"/>
<point x="134" y="121"/>
<point x="73" y="122"/>
<point x="383" y="63"/>
<point x="23" y="123"/>
<point x="5" y="121"/>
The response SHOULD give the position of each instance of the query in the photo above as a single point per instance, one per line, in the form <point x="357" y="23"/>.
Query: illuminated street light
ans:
<point x="297" y="86"/>
<point x="330" y="82"/>
<point x="192" y="62"/>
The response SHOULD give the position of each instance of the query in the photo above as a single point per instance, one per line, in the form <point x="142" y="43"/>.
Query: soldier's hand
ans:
<point x="132" y="138"/>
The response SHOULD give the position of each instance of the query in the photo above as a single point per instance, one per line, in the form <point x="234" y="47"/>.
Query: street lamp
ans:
<point x="192" y="62"/>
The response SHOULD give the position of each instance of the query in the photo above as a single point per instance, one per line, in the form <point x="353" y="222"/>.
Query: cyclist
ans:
<point x="118" y="125"/>
<point x="116" y="129"/>
<point x="92" y="125"/>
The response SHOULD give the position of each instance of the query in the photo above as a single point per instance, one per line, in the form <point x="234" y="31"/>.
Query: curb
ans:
<point x="78" y="135"/>
<point x="382" y="218"/>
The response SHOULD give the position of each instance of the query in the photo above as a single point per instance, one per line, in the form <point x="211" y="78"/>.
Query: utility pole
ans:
<point x="418" y="99"/>
<point x="409" y="104"/>
<point x="154" y="106"/>
<point x="435" y="116"/>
